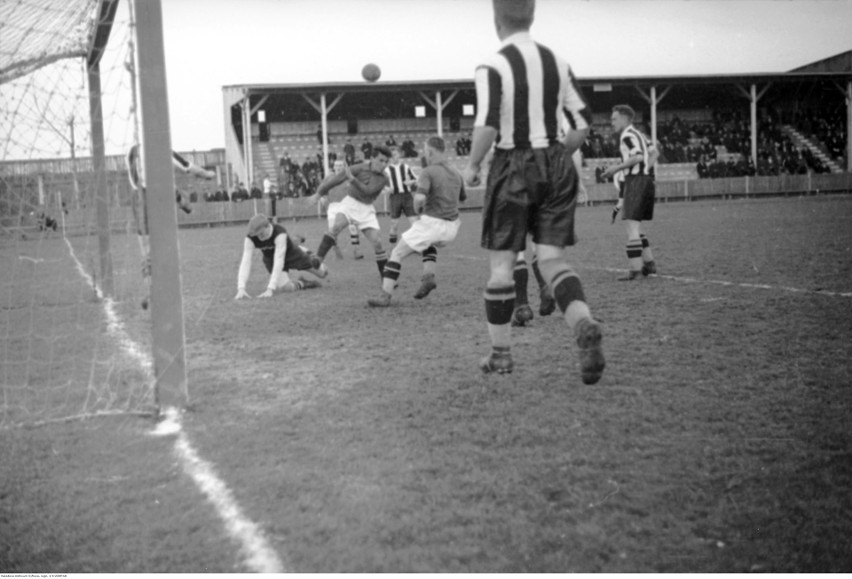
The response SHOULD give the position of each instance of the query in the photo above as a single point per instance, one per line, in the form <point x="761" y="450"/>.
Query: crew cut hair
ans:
<point x="382" y="150"/>
<point x="515" y="14"/>
<point x="625" y="110"/>
<point x="437" y="143"/>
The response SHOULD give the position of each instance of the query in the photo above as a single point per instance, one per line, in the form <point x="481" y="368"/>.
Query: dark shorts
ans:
<point x="401" y="203"/>
<point x="529" y="191"/>
<point x="295" y="258"/>
<point x="639" y="194"/>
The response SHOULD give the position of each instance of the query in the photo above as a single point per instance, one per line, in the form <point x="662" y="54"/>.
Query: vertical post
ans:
<point x="247" y="160"/>
<point x="653" y="115"/>
<point x="439" y="109"/>
<point x="849" y="126"/>
<point x="99" y="168"/>
<point x="324" y="114"/>
<point x="754" y="124"/>
<point x="166" y="302"/>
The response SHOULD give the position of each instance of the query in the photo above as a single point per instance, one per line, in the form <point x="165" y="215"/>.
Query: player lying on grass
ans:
<point x="140" y="210"/>
<point x="281" y="253"/>
<point x="440" y="188"/>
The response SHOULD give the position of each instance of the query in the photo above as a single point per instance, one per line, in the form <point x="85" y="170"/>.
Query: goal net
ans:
<point x="74" y="341"/>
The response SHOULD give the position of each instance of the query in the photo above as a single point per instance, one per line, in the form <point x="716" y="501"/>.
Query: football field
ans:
<point x="360" y="440"/>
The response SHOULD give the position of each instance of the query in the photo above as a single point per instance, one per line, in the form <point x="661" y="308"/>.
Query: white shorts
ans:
<point x="428" y="231"/>
<point x="359" y="214"/>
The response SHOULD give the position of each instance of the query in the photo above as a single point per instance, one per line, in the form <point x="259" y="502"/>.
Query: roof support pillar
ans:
<point x="323" y="109"/>
<point x="653" y="99"/>
<point x="439" y="105"/>
<point x="754" y="96"/>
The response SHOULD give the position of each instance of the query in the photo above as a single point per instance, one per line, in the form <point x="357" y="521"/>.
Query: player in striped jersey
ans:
<point x="638" y="158"/>
<point x="140" y="210"/>
<point x="402" y="180"/>
<point x="523" y="91"/>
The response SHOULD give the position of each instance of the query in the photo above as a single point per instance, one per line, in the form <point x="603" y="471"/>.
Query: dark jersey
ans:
<point x="294" y="258"/>
<point x="373" y="183"/>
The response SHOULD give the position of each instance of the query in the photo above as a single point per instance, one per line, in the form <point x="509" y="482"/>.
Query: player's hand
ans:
<point x="471" y="176"/>
<point x="616" y="209"/>
<point x="241" y="294"/>
<point x="348" y="172"/>
<point x="266" y="294"/>
<point x="209" y="175"/>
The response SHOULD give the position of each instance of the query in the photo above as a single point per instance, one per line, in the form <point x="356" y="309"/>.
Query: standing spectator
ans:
<point x="639" y="190"/>
<point x="349" y="152"/>
<point x="532" y="183"/>
<point x="367" y="149"/>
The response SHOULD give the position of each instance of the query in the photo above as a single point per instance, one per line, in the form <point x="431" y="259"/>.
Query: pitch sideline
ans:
<point x="259" y="556"/>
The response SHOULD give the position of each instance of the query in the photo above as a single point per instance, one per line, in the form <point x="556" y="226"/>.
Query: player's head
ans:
<point x="380" y="158"/>
<point x="394" y="155"/>
<point x="622" y="117"/>
<point x="512" y="16"/>
<point x="260" y="227"/>
<point x="433" y="149"/>
<point x="338" y="165"/>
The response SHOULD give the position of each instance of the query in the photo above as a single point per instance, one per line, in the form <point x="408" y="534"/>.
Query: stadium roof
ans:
<point x="450" y="84"/>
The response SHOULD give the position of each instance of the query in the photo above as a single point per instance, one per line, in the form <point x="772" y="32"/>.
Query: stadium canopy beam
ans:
<point x="323" y="109"/>
<point x="753" y="97"/>
<point x="439" y="107"/>
<point x="653" y="99"/>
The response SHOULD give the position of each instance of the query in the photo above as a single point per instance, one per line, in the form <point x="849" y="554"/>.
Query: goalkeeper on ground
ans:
<point x="281" y="253"/>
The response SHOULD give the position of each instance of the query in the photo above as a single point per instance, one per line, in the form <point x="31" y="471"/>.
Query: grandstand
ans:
<point x="290" y="118"/>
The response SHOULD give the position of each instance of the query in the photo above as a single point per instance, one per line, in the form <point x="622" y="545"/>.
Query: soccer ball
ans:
<point x="371" y="72"/>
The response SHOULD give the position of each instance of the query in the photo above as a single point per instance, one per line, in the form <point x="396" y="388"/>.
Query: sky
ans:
<point x="214" y="43"/>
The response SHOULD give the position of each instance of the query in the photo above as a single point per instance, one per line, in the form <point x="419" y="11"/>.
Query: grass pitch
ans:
<point x="366" y="440"/>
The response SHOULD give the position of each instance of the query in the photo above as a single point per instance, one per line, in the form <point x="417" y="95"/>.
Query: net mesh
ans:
<point x="66" y="350"/>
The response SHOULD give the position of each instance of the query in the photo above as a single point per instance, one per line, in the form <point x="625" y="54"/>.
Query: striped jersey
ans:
<point x="633" y="142"/>
<point x="523" y="91"/>
<point x="397" y="175"/>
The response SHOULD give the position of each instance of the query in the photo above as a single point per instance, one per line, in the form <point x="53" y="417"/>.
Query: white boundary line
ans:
<point x="259" y="556"/>
<point x="685" y="279"/>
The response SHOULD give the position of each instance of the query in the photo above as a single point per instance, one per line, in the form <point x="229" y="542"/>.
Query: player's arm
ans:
<point x="277" y="265"/>
<point x="578" y="114"/>
<point x="245" y="269"/>
<point x="411" y="178"/>
<point x="487" y="121"/>
<point x="375" y="186"/>
<point x="424" y="185"/>
<point x="188" y="166"/>
<point x="329" y="183"/>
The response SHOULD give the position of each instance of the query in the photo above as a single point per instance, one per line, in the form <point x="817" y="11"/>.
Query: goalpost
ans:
<point x="74" y="341"/>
